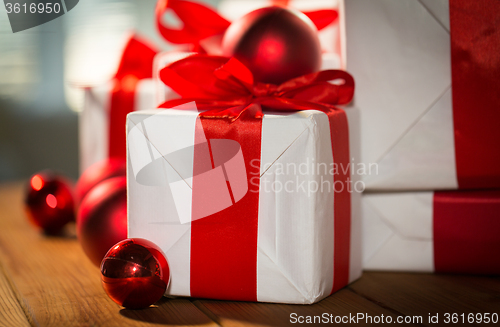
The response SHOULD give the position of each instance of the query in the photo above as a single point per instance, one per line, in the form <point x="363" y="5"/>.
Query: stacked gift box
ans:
<point x="106" y="105"/>
<point x="427" y="88"/>
<point x="203" y="169"/>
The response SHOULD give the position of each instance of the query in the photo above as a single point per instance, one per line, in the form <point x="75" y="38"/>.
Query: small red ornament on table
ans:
<point x="102" y="218"/>
<point x="97" y="173"/>
<point x="49" y="201"/>
<point x="135" y="273"/>
<point x="275" y="43"/>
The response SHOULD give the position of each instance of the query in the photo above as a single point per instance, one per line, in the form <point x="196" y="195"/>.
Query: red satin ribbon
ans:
<point x="220" y="84"/>
<point x="136" y="64"/>
<point x="224" y="245"/>
<point x="475" y="63"/>
<point x="466" y="232"/>
<point x="200" y="22"/>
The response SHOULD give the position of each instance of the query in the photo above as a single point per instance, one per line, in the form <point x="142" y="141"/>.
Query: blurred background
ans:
<point x="41" y="69"/>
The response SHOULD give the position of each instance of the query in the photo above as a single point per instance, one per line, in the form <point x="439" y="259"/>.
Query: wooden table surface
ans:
<point x="48" y="281"/>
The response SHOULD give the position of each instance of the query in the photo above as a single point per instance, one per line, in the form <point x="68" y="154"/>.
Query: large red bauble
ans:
<point x="275" y="43"/>
<point x="102" y="218"/>
<point x="49" y="201"/>
<point x="135" y="273"/>
<point x="98" y="172"/>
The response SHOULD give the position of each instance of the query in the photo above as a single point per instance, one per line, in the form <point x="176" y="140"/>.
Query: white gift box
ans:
<point x="451" y="231"/>
<point x="94" y="119"/>
<point x="295" y="237"/>
<point x="399" y="55"/>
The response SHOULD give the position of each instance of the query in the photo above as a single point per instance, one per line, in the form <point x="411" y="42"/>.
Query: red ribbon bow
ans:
<point x="200" y="22"/>
<point x="226" y="87"/>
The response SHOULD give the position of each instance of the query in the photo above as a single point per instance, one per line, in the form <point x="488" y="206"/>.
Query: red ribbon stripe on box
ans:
<point x="136" y="64"/>
<point x="475" y="68"/>
<point x="466" y="232"/>
<point x="224" y="245"/>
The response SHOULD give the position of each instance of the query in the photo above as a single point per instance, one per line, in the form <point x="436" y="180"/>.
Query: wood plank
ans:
<point x="11" y="312"/>
<point x="48" y="281"/>
<point x="60" y="286"/>
<point x="343" y="303"/>
<point x="421" y="294"/>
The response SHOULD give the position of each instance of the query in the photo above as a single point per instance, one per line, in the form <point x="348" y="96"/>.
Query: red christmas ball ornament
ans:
<point x="98" y="172"/>
<point x="102" y="218"/>
<point x="135" y="273"/>
<point x="49" y="201"/>
<point x="275" y="43"/>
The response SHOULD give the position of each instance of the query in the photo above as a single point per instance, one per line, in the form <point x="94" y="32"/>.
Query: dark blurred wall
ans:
<point x="37" y="129"/>
<point x="29" y="144"/>
<point x="38" y="104"/>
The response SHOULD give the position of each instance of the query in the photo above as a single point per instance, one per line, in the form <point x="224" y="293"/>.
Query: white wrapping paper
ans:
<point x="295" y="229"/>
<point x="332" y="37"/>
<point x="398" y="231"/>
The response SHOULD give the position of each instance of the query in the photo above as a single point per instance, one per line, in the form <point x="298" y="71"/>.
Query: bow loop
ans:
<point x="200" y="22"/>
<point x="322" y="18"/>
<point x="194" y="77"/>
<point x="233" y="71"/>
<point x="327" y="86"/>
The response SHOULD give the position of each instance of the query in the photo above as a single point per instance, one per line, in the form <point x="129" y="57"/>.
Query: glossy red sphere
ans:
<point x="102" y="218"/>
<point x="135" y="273"/>
<point x="49" y="201"/>
<point x="98" y="172"/>
<point x="275" y="43"/>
